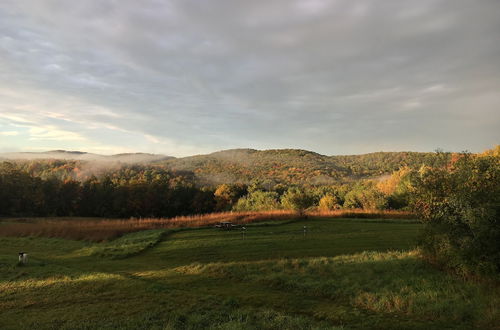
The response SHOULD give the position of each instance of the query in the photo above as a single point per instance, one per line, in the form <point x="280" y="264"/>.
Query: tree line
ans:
<point x="28" y="189"/>
<point x="134" y="191"/>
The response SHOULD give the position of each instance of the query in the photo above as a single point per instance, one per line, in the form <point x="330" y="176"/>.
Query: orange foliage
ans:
<point x="495" y="152"/>
<point x="387" y="187"/>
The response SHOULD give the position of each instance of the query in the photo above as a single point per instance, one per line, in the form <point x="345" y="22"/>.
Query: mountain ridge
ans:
<point x="287" y="166"/>
<point x="137" y="157"/>
<point x="61" y="152"/>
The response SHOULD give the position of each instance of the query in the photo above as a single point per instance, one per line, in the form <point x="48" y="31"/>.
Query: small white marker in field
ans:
<point x="23" y="258"/>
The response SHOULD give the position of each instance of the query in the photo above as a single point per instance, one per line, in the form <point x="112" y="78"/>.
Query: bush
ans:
<point x="459" y="205"/>
<point x="328" y="203"/>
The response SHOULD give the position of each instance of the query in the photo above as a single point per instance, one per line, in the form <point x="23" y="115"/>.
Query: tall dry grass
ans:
<point x="105" y="229"/>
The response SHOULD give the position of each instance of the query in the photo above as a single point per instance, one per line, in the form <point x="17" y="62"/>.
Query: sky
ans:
<point x="188" y="77"/>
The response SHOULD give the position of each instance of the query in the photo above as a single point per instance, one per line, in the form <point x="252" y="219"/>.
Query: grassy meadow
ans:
<point x="342" y="274"/>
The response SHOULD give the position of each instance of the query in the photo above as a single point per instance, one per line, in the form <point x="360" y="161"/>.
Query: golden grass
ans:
<point x="105" y="229"/>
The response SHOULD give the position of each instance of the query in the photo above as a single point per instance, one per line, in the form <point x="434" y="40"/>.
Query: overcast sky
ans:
<point x="187" y="77"/>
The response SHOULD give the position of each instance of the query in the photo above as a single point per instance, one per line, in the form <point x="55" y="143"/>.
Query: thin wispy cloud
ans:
<point x="185" y="77"/>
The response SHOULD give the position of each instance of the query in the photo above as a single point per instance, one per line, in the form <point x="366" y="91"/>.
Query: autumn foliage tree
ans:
<point x="226" y="195"/>
<point x="297" y="199"/>
<point x="329" y="202"/>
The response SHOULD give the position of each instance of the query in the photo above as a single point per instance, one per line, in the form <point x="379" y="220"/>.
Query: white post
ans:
<point x="23" y="258"/>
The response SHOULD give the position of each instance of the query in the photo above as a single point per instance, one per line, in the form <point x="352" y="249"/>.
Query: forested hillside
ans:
<point x="271" y="167"/>
<point x="292" y="166"/>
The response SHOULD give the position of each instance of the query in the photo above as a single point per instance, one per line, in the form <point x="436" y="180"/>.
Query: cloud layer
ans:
<point x="185" y="77"/>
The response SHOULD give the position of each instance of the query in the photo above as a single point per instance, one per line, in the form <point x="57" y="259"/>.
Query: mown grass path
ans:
<point x="274" y="278"/>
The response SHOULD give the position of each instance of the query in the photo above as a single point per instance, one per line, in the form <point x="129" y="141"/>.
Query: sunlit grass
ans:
<point x="24" y="285"/>
<point x="125" y="246"/>
<point x="345" y="273"/>
<point x="395" y="282"/>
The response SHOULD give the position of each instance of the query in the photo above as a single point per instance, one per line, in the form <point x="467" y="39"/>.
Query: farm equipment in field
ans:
<point x="225" y="225"/>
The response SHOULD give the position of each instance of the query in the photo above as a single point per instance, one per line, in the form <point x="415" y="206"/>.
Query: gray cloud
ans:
<point x="182" y="77"/>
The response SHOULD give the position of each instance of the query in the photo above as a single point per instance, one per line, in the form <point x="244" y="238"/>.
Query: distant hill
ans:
<point x="287" y="166"/>
<point x="294" y="166"/>
<point x="79" y="155"/>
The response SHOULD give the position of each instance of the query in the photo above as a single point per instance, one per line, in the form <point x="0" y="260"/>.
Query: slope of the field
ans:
<point x="342" y="273"/>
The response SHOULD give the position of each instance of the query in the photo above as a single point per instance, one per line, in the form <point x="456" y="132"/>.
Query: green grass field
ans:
<point x="345" y="274"/>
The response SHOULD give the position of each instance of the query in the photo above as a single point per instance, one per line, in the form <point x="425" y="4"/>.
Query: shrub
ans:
<point x="329" y="202"/>
<point x="460" y="205"/>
